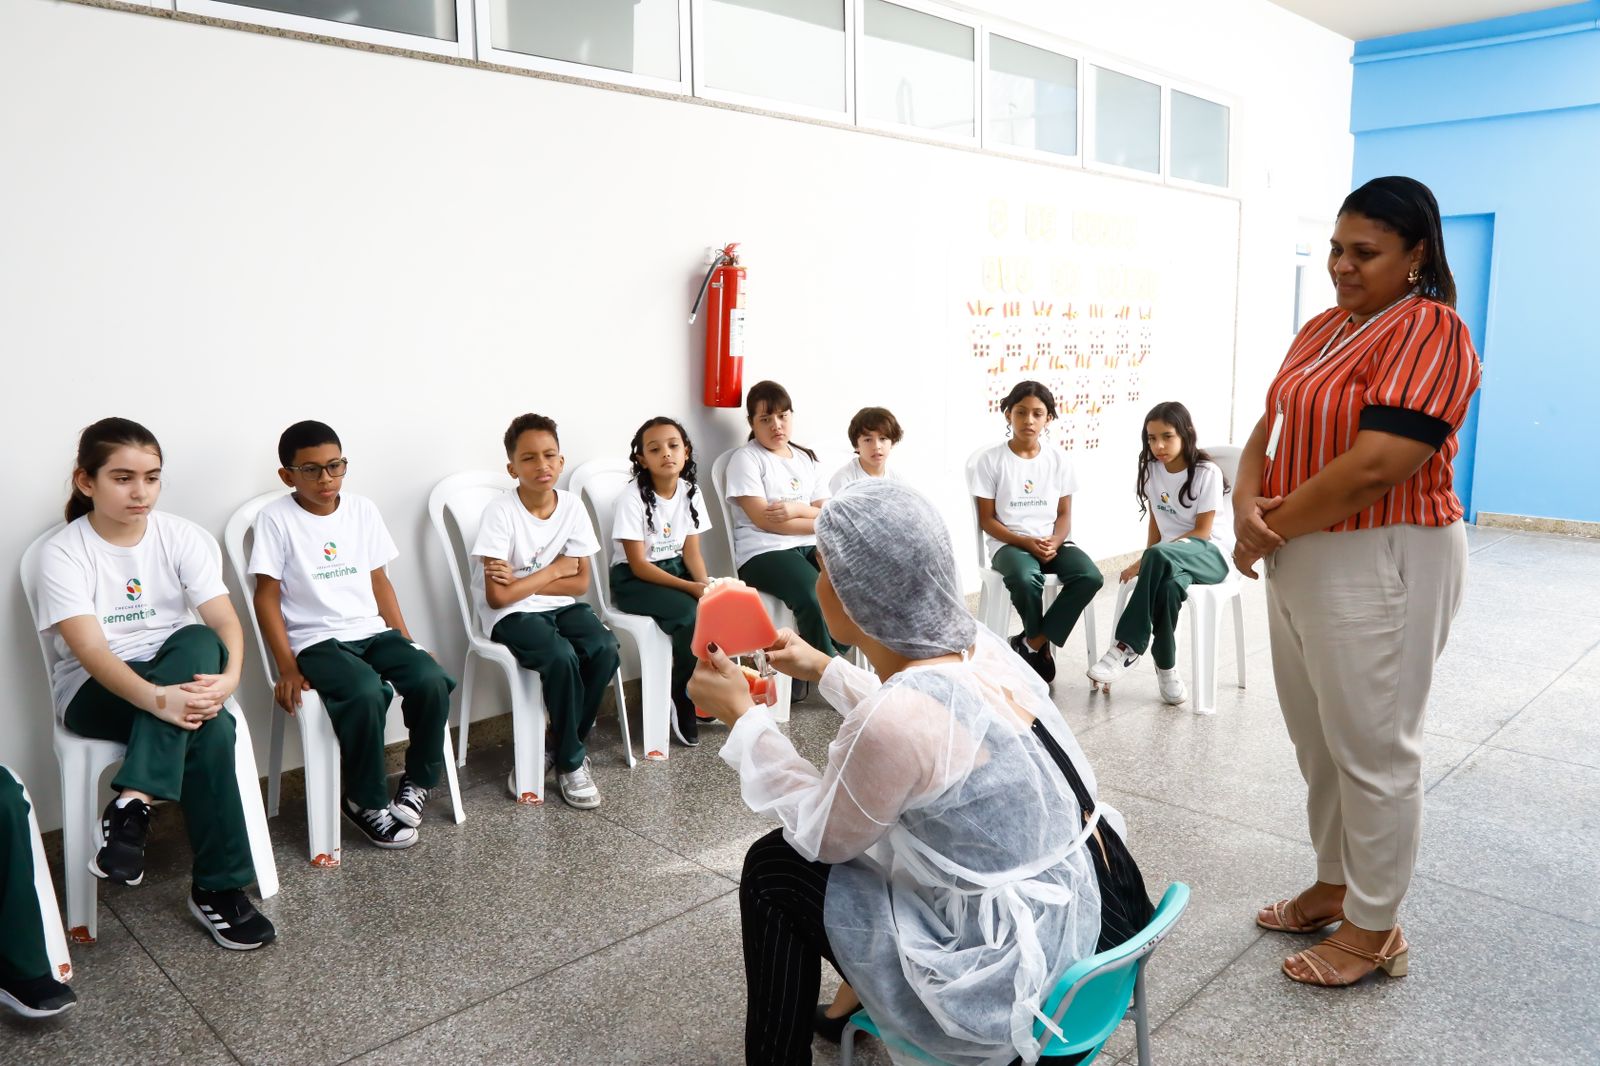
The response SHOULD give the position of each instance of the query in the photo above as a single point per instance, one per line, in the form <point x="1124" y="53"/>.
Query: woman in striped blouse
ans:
<point x="1345" y="491"/>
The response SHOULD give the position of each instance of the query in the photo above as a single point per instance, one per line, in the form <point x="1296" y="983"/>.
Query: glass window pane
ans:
<point x="425" y="18"/>
<point x="634" y="36"/>
<point x="1199" y="139"/>
<point x="1033" y="97"/>
<point x="790" y="50"/>
<point x="917" y="69"/>
<point x="1127" y="121"/>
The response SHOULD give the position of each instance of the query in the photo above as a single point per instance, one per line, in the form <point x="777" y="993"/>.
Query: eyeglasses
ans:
<point x="313" y="471"/>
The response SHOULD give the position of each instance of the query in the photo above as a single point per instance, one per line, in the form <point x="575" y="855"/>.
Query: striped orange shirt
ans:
<point x="1412" y="372"/>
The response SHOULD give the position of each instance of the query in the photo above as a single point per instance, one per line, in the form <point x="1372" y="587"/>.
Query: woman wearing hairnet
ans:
<point x="950" y="859"/>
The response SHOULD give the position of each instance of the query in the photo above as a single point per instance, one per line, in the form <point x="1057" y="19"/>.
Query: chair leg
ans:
<point x="655" y="697"/>
<point x="1091" y="638"/>
<point x="847" y="1044"/>
<point x="1203" y="652"/>
<point x="465" y="717"/>
<point x="1238" y="635"/>
<point x="275" y="761"/>
<point x="255" y="812"/>
<point x="452" y="779"/>
<point x="622" y="719"/>
<point x="527" y="727"/>
<point x="80" y="833"/>
<point x="55" y="937"/>
<point x="1141" y="1018"/>
<point x="320" y="750"/>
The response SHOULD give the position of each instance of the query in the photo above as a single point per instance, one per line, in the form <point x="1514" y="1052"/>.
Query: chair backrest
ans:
<point x="599" y="483"/>
<point x="1091" y="998"/>
<point x="966" y="482"/>
<point x="1226" y="456"/>
<point x="30" y="591"/>
<point x="455" y="507"/>
<point x="237" y="536"/>
<point x="719" y="488"/>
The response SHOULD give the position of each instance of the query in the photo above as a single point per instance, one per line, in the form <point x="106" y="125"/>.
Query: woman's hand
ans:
<point x="782" y="510"/>
<point x="793" y="656"/>
<point x="1250" y="527"/>
<point x="171" y="707"/>
<point x="207" y="693"/>
<point x="719" y="688"/>
<point x="1130" y="572"/>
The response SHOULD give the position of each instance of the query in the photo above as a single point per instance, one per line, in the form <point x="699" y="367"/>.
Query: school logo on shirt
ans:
<point x="134" y="590"/>
<point x="330" y="551"/>
<point x="1165" y="498"/>
<point x="1027" y="486"/>
<point x="330" y="567"/>
<point x="666" y="530"/>
<point x="1165" y="506"/>
<point x="794" y="484"/>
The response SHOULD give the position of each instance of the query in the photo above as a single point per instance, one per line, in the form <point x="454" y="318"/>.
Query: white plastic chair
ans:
<point x="318" y="742"/>
<point x="84" y="761"/>
<point x="1204" y="608"/>
<point x="55" y="936"/>
<point x="455" y="507"/>
<point x="781" y="615"/>
<point x="598" y="484"/>
<point x="994" y="603"/>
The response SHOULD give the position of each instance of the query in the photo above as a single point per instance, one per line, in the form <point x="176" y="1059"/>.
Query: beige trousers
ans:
<point x="1357" y="621"/>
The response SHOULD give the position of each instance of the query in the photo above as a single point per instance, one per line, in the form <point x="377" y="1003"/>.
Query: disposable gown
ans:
<point x="961" y="889"/>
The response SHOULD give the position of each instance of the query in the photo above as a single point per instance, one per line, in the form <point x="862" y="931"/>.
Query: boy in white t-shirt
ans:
<point x="1023" y="491"/>
<point x="874" y="431"/>
<point x="1191" y="541"/>
<point x="332" y="622"/>
<point x="529" y="563"/>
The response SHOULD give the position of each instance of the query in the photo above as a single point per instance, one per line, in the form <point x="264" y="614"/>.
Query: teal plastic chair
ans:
<point x="1091" y="999"/>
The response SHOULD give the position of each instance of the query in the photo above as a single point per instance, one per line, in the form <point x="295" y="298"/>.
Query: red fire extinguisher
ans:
<point x="728" y="285"/>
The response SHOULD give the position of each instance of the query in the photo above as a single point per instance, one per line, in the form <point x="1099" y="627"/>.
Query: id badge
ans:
<point x="1277" y="431"/>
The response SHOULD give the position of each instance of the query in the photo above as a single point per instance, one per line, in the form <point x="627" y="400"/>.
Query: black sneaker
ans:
<point x="231" y="919"/>
<point x="37" y="997"/>
<point x="685" y="723"/>
<point x="380" y="826"/>
<point x="124" y="830"/>
<point x="409" y="799"/>
<point x="1044" y="661"/>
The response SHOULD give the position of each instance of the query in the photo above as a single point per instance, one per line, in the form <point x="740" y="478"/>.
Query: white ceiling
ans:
<point x="1362" y="19"/>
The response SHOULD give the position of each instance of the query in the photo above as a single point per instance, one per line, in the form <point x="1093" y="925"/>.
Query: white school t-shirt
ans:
<point x="665" y="536"/>
<point x="1026" y="492"/>
<point x="511" y="532"/>
<point x="754" y="471"/>
<point x="325" y="563"/>
<point x="141" y="595"/>
<point x="1175" y="512"/>
<point x="851" y="472"/>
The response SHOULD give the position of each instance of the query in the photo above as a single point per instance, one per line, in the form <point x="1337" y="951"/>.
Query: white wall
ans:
<point x="218" y="233"/>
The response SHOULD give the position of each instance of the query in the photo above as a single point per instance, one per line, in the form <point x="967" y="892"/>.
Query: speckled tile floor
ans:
<point x="553" y="936"/>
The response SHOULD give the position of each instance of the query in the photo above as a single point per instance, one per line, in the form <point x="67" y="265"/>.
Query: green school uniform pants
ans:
<point x="1024" y="578"/>
<point x="350" y="677"/>
<point x="791" y="575"/>
<point x="22" y="951"/>
<point x="194" y="767"/>
<point x="673" y="611"/>
<point x="575" y="657"/>
<point x="1165" y="571"/>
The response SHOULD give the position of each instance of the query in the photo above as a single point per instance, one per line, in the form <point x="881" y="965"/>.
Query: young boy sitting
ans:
<point x="874" y="431"/>
<point x="530" y="561"/>
<point x="332" y="622"/>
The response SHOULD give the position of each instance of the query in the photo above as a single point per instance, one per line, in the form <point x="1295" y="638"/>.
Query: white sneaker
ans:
<point x="1172" y="689"/>
<point x="578" y="788"/>
<point x="1113" y="663"/>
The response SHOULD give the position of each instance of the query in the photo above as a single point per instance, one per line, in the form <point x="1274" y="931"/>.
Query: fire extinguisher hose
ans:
<point x="694" y="313"/>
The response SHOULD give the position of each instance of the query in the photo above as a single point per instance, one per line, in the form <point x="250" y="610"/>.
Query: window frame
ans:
<point x="1047" y="43"/>
<point x="1090" y="121"/>
<point x="460" y="48"/>
<point x="960" y="18"/>
<point x="769" y="103"/>
<point x="1168" y="87"/>
<point x="681" y="86"/>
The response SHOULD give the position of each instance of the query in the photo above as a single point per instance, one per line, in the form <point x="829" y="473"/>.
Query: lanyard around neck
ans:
<point x="1330" y="349"/>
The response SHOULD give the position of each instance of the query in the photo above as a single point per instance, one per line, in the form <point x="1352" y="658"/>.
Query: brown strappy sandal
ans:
<point x="1393" y="959"/>
<point x="1289" y="917"/>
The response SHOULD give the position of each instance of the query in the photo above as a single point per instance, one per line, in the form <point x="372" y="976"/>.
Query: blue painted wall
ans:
<point x="1502" y="118"/>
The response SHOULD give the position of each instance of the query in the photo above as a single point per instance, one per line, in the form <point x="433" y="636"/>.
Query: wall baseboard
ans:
<point x="1567" y="527"/>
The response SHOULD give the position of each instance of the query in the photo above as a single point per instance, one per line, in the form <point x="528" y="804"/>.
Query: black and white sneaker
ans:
<point x="685" y="723"/>
<point x="1043" y="661"/>
<point x="379" y="827"/>
<point x="37" y="997"/>
<point x="230" y="918"/>
<point x="124" y="831"/>
<point x="409" y="799"/>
